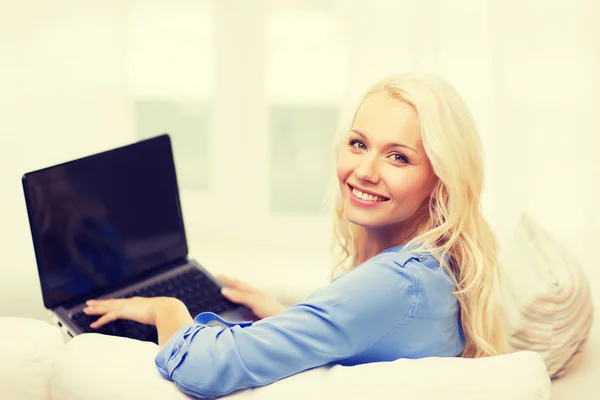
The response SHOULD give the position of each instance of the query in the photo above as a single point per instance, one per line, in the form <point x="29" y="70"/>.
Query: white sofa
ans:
<point x="39" y="365"/>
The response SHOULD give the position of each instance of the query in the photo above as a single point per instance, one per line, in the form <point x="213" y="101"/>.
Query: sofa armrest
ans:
<point x="27" y="347"/>
<point x="97" y="367"/>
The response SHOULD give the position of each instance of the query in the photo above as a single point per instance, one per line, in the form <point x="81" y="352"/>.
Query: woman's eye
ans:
<point x="358" y="144"/>
<point x="399" y="158"/>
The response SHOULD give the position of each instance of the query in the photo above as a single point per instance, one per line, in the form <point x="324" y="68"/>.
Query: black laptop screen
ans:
<point x="101" y="220"/>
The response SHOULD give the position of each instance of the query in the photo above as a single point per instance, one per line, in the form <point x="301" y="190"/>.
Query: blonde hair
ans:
<point x="454" y="230"/>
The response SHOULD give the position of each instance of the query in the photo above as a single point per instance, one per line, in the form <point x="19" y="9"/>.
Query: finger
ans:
<point x="101" y="303"/>
<point x="236" y="284"/>
<point x="93" y="311"/>
<point x="225" y="278"/>
<point x="102" y="306"/>
<point x="103" y="320"/>
<point x="236" y="296"/>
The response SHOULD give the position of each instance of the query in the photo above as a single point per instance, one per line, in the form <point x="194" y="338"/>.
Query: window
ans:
<point x="300" y="157"/>
<point x="250" y="97"/>
<point x="307" y="70"/>
<point x="170" y="68"/>
<point x="187" y="122"/>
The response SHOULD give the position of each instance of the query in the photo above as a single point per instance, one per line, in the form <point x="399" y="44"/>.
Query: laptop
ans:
<point x="110" y="226"/>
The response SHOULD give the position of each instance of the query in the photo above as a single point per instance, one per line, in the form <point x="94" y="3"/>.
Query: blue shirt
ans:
<point x="397" y="304"/>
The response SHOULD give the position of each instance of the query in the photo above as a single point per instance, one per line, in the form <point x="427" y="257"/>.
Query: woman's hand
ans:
<point x="139" y="309"/>
<point x="262" y="304"/>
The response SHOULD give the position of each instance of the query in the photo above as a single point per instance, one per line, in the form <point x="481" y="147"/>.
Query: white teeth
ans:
<point x="366" y="196"/>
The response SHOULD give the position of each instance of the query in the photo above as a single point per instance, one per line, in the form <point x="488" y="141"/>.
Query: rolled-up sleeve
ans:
<point x="343" y="319"/>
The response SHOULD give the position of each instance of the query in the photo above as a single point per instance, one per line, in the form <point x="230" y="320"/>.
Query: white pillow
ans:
<point x="547" y="296"/>
<point x="97" y="367"/>
<point x="27" y="347"/>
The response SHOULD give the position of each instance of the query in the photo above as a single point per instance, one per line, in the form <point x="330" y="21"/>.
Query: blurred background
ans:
<point x="251" y="92"/>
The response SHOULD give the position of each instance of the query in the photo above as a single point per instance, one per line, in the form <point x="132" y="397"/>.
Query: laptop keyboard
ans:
<point x="196" y="290"/>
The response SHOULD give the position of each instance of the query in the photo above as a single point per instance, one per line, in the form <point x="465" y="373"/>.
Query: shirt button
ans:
<point x="422" y="257"/>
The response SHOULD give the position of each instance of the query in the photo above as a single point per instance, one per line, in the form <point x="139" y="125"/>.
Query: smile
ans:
<point x="368" y="197"/>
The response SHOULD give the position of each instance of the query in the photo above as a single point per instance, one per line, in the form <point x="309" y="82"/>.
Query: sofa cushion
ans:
<point x="27" y="349"/>
<point x="547" y="295"/>
<point x="97" y="367"/>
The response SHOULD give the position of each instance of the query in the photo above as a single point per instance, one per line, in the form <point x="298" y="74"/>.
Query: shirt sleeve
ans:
<point x="344" y="319"/>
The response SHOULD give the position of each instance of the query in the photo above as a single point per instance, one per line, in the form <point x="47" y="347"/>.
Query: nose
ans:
<point x="368" y="170"/>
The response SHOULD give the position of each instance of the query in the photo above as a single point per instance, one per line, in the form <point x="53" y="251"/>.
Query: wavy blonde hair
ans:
<point x="454" y="230"/>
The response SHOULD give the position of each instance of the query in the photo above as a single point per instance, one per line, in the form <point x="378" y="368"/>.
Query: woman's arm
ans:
<point x="335" y="323"/>
<point x="170" y="315"/>
<point x="167" y="313"/>
<point x="261" y="303"/>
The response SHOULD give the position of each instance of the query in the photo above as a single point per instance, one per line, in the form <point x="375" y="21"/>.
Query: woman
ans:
<point x="421" y="260"/>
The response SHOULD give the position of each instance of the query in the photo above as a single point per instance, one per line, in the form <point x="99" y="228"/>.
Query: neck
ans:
<point x="373" y="240"/>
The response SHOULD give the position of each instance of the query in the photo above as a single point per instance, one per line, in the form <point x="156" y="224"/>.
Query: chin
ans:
<point x="360" y="219"/>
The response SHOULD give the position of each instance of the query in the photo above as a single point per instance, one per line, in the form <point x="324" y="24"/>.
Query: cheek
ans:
<point x="343" y="168"/>
<point x="410" y="188"/>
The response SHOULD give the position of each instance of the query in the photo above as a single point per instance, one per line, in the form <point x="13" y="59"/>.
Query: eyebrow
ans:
<point x="389" y="144"/>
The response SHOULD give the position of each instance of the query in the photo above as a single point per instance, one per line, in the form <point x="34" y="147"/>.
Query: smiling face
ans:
<point x="383" y="171"/>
